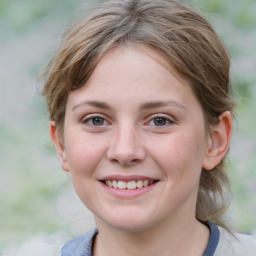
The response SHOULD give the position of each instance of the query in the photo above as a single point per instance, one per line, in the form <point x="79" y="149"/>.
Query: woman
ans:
<point x="141" y="117"/>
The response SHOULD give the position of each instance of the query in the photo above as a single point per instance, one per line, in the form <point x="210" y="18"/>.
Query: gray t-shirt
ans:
<point x="221" y="243"/>
<point x="237" y="245"/>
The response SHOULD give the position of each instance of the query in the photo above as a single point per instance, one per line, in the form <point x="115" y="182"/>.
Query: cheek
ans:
<point x="83" y="154"/>
<point x="180" y="154"/>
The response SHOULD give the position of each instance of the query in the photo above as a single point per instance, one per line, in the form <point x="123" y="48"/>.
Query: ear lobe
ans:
<point x="219" y="141"/>
<point x="60" y="148"/>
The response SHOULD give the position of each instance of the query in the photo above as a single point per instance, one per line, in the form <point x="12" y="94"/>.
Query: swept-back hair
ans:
<point x="184" y="39"/>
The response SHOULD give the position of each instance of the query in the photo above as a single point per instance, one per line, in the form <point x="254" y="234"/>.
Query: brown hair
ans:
<point x="182" y="36"/>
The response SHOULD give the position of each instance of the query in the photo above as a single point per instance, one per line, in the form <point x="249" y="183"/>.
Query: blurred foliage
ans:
<point x="240" y="13"/>
<point x="19" y="15"/>
<point x="28" y="190"/>
<point x="30" y="181"/>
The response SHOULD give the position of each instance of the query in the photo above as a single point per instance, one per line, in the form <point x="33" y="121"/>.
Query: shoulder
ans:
<point x="235" y="244"/>
<point x="81" y="245"/>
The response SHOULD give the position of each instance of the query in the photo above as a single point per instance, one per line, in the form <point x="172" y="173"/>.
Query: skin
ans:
<point x="133" y="117"/>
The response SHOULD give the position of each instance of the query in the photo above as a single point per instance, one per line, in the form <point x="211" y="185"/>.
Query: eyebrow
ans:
<point x="93" y="103"/>
<point x="157" y="104"/>
<point x="144" y="106"/>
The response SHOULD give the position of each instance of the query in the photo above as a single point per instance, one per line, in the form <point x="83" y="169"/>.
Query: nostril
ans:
<point x="125" y="162"/>
<point x="125" y="152"/>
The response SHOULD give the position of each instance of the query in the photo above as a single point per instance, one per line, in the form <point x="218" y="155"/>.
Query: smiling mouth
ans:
<point x="133" y="184"/>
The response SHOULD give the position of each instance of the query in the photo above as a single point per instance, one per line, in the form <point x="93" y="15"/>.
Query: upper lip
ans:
<point x="127" y="178"/>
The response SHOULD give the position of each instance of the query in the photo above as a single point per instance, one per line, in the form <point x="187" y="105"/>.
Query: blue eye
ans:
<point x="160" y="121"/>
<point x="95" y="121"/>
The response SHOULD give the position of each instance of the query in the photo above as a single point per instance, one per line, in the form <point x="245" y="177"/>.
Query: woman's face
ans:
<point x="135" y="142"/>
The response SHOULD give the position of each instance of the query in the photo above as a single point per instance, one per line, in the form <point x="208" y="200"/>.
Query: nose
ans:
<point x="126" y="147"/>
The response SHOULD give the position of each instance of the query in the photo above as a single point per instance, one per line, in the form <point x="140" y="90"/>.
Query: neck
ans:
<point x="189" y="238"/>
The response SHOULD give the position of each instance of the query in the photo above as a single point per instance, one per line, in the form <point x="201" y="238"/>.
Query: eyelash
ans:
<point x="90" y="119"/>
<point x="168" y="121"/>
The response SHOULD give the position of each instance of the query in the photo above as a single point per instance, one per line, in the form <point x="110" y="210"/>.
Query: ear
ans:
<point x="59" y="146"/>
<point x="219" y="140"/>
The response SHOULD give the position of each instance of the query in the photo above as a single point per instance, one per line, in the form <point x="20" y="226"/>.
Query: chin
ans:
<point x="127" y="222"/>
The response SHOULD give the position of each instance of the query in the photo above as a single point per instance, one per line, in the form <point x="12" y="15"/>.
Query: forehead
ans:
<point x="135" y="52"/>
<point x="133" y="72"/>
<point x="134" y="61"/>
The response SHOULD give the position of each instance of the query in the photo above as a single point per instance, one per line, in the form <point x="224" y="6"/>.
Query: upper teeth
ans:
<point x="133" y="184"/>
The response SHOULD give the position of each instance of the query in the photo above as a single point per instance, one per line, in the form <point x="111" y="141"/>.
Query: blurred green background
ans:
<point x="35" y="195"/>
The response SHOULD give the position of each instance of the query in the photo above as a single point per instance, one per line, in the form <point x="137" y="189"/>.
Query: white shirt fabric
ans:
<point x="221" y="243"/>
<point x="235" y="245"/>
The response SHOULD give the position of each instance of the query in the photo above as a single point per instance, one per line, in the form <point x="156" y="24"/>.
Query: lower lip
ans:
<point x="128" y="193"/>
